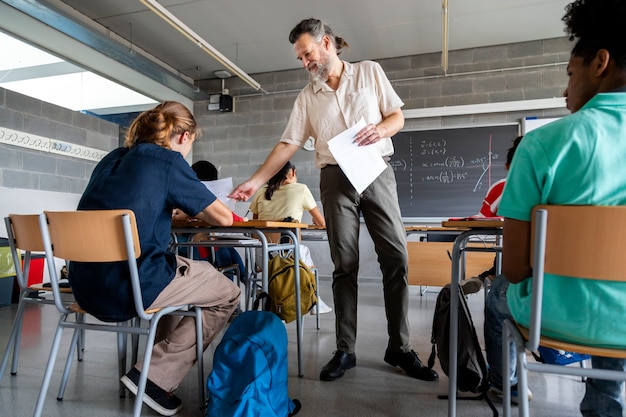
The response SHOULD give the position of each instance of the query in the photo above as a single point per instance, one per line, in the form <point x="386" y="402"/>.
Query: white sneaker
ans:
<point x="472" y="285"/>
<point x="322" y="306"/>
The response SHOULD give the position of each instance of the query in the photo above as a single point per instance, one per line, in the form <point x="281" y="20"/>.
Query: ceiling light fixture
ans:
<point x="173" y="21"/>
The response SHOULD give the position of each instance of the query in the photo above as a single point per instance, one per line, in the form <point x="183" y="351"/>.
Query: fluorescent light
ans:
<point x="173" y="21"/>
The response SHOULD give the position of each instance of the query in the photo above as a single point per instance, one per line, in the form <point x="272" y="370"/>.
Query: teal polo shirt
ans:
<point x="577" y="160"/>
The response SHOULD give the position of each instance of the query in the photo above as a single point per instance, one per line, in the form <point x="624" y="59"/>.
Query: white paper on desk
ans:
<point x="361" y="164"/>
<point x="221" y="189"/>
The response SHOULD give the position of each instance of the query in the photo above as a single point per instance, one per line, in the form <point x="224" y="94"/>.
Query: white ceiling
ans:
<point x="253" y="33"/>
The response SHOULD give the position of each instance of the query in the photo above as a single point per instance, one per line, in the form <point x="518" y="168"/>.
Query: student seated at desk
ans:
<point x="221" y="257"/>
<point x="489" y="208"/>
<point x="576" y="160"/>
<point x="283" y="197"/>
<point x="149" y="175"/>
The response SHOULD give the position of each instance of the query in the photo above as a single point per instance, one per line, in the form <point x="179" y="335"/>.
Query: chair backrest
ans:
<point x="92" y="236"/>
<point x="574" y="241"/>
<point x="24" y="235"/>
<point x="584" y="241"/>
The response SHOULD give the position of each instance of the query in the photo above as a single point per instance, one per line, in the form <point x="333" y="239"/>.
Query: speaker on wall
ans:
<point x="226" y="103"/>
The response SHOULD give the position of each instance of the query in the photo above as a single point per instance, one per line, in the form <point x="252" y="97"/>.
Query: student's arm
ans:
<point x="318" y="219"/>
<point x="516" y="250"/>
<point x="216" y="214"/>
<point x="278" y="157"/>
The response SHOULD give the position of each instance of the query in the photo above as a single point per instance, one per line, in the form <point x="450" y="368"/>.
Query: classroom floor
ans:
<point x="373" y="388"/>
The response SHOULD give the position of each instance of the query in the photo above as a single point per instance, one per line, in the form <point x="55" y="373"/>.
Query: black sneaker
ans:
<point x="155" y="397"/>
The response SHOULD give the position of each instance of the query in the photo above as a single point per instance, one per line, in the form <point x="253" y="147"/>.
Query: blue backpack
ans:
<point x="249" y="376"/>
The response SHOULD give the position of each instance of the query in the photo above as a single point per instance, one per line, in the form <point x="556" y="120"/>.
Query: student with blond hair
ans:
<point x="150" y="176"/>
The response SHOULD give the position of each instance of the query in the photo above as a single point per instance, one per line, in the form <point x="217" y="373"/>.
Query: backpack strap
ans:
<point x="262" y="300"/>
<point x="433" y="353"/>
<point x="297" y="407"/>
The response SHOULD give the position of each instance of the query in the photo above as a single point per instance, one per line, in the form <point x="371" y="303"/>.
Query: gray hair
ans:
<point x="317" y="29"/>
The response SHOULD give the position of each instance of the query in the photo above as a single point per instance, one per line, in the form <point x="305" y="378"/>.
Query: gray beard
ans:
<point x="320" y="74"/>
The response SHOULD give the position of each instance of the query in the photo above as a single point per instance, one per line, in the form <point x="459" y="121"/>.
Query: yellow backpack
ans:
<point x="282" y="290"/>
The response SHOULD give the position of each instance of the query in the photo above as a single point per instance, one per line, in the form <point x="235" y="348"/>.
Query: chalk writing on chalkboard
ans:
<point x="446" y="172"/>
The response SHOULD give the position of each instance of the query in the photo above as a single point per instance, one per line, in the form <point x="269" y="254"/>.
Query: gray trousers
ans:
<point x="378" y="205"/>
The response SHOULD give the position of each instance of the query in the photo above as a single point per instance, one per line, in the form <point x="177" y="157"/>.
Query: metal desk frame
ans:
<point x="258" y="230"/>
<point x="482" y="228"/>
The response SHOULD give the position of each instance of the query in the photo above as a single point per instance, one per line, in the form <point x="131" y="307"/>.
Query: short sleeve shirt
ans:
<point x="577" y="160"/>
<point x="151" y="181"/>
<point x="492" y="199"/>
<point x="289" y="200"/>
<point x="364" y="92"/>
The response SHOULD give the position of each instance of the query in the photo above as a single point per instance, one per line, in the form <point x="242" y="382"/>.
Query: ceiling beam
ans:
<point x="42" y="25"/>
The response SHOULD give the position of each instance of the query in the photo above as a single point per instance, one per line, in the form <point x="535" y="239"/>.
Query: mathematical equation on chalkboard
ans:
<point x="447" y="172"/>
<point x="40" y="143"/>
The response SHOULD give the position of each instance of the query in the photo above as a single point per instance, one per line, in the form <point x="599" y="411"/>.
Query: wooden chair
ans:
<point x="574" y="241"/>
<point x="24" y="235"/>
<point x="104" y="236"/>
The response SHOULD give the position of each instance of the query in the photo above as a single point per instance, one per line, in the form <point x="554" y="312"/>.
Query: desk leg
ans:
<point x="458" y="250"/>
<point x="456" y="256"/>
<point x="299" y="330"/>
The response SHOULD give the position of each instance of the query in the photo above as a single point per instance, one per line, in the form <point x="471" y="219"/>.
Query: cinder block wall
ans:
<point x="238" y="142"/>
<point x="23" y="168"/>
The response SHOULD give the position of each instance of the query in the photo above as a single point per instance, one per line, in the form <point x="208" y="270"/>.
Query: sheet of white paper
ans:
<point x="221" y="189"/>
<point x="361" y="164"/>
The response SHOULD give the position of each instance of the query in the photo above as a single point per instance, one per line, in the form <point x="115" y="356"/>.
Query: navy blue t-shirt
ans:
<point x="151" y="181"/>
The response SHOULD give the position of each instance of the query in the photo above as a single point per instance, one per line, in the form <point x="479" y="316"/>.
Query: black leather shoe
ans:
<point x="338" y="366"/>
<point x="411" y="365"/>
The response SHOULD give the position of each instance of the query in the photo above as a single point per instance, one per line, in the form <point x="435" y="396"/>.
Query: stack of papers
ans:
<point x="221" y="189"/>
<point x="361" y="164"/>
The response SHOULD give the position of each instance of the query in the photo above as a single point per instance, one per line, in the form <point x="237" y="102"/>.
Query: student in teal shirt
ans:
<point x="577" y="160"/>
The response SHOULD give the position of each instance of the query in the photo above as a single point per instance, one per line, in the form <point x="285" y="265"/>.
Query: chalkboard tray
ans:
<point x="446" y="173"/>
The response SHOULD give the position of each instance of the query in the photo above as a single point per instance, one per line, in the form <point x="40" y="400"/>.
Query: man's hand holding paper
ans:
<point x="361" y="164"/>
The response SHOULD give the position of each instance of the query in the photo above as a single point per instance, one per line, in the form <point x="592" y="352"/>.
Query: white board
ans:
<point x="531" y="123"/>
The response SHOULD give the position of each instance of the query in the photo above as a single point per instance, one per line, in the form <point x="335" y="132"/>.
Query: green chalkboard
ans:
<point x="447" y="172"/>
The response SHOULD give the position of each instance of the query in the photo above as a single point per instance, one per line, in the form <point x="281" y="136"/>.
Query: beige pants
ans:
<point x="200" y="284"/>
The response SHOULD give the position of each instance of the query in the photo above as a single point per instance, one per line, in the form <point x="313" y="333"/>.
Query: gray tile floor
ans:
<point x="373" y="388"/>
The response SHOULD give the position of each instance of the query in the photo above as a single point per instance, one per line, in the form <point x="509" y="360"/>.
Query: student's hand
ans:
<point x="179" y="215"/>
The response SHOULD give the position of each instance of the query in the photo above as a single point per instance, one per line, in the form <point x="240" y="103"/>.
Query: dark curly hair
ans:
<point x="597" y="24"/>
<point x="205" y="170"/>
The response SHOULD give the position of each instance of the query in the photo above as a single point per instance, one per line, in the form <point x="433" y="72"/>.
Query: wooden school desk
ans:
<point x="429" y="260"/>
<point x="258" y="229"/>
<point x="474" y="227"/>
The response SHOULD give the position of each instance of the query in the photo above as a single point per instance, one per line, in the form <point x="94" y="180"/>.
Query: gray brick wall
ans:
<point x="38" y="170"/>
<point x="237" y="143"/>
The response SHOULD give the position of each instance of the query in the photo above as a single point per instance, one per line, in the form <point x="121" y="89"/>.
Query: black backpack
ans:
<point x="472" y="375"/>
